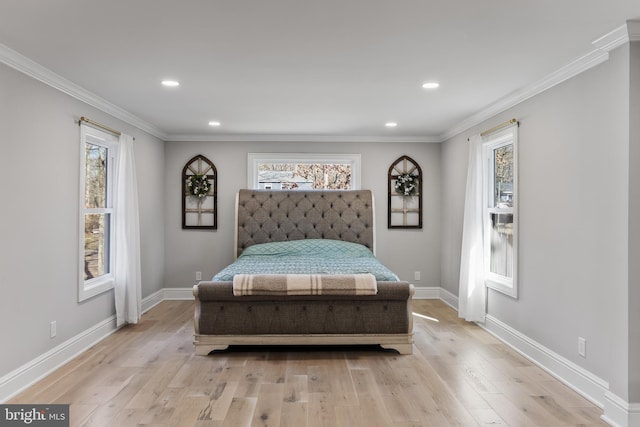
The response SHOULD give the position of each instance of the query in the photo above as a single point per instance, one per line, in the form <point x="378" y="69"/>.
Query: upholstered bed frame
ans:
<point x="222" y="319"/>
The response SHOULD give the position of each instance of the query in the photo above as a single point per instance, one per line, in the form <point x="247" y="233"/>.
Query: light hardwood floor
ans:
<point x="458" y="375"/>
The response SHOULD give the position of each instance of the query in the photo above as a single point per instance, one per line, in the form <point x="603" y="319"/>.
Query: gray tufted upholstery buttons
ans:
<point x="291" y="215"/>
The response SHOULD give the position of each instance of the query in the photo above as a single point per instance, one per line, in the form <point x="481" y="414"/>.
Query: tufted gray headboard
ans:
<point x="278" y="215"/>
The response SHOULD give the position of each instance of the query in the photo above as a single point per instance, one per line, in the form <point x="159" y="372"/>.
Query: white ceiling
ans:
<point x="307" y="69"/>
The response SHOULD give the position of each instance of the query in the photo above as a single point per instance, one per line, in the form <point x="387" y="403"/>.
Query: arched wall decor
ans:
<point x="199" y="194"/>
<point x="405" y="194"/>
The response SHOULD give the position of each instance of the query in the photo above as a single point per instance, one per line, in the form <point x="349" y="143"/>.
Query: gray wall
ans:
<point x="39" y="192"/>
<point x="634" y="223"/>
<point x="404" y="251"/>
<point x="574" y="175"/>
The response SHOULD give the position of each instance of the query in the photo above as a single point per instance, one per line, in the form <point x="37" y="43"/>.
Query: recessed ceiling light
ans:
<point x="431" y="85"/>
<point x="214" y="123"/>
<point x="170" y="83"/>
<point x="391" y="124"/>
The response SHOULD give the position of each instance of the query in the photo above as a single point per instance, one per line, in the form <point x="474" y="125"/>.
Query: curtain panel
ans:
<point x="472" y="291"/>
<point x="127" y="273"/>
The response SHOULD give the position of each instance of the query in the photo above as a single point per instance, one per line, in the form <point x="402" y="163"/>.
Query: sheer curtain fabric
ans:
<point x="127" y="257"/>
<point x="472" y="291"/>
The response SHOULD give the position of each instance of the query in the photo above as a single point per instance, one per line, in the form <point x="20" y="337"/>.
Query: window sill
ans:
<point x="507" y="288"/>
<point x="95" y="287"/>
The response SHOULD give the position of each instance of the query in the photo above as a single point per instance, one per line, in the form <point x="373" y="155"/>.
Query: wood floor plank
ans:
<point x="112" y="409"/>
<point x="398" y="405"/>
<point x="564" y="395"/>
<point x="341" y="382"/>
<point x="509" y="411"/>
<point x="240" y="412"/>
<point x="156" y="384"/>
<point x="319" y="379"/>
<point x="427" y="411"/>
<point x="296" y="389"/>
<point x="81" y="411"/>
<point x="187" y="411"/>
<point x="156" y="415"/>
<point x="350" y="416"/>
<point x="294" y="414"/>
<point x="253" y="375"/>
<point x="458" y="375"/>
<point x="37" y="390"/>
<point x="271" y="366"/>
<point x="221" y="398"/>
<point x="370" y="397"/>
<point x="126" y="417"/>
<point x="321" y="410"/>
<point x="487" y="417"/>
<point x="268" y="411"/>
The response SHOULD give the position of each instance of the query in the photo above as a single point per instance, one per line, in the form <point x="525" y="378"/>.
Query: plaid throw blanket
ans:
<point x="304" y="284"/>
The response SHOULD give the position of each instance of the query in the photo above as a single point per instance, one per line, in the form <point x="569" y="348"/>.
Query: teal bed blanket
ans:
<point x="311" y="256"/>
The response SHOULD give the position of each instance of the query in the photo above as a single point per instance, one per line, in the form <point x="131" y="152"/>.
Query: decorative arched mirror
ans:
<point x="405" y="194"/>
<point x="199" y="194"/>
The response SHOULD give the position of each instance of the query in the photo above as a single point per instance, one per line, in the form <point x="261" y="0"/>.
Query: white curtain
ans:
<point x="472" y="293"/>
<point x="127" y="256"/>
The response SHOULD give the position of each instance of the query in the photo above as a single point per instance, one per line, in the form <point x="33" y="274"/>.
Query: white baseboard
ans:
<point x="436" y="292"/>
<point x="616" y="411"/>
<point x="580" y="380"/>
<point x="619" y="413"/>
<point x="426" y="292"/>
<point x="152" y="300"/>
<point x="165" y="294"/>
<point x="29" y="373"/>
<point x="24" y="376"/>
<point x="448" y="298"/>
<point x="178" y="293"/>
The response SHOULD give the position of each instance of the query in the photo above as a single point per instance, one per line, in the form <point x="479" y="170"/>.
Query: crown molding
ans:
<point x="612" y="39"/>
<point x="630" y="31"/>
<point x="633" y="28"/>
<point x="25" y="65"/>
<point x="32" y="69"/>
<point x="300" y="138"/>
<point x="565" y="73"/>
<point x="626" y="33"/>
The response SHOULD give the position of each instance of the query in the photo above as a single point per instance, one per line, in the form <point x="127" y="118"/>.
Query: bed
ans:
<point x="305" y="273"/>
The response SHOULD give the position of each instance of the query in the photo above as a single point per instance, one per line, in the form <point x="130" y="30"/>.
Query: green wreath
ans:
<point x="198" y="186"/>
<point x="406" y="184"/>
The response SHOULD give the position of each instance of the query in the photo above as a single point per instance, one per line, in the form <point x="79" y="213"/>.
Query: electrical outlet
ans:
<point x="53" y="329"/>
<point x="198" y="275"/>
<point x="416" y="275"/>
<point x="582" y="347"/>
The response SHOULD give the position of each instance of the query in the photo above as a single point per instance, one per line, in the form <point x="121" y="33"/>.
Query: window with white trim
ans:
<point x="285" y="171"/>
<point x="500" y="153"/>
<point x="97" y="167"/>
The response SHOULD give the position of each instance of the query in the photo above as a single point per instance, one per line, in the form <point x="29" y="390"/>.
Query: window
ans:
<point x="500" y="151"/>
<point x="303" y="171"/>
<point x="97" y="164"/>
